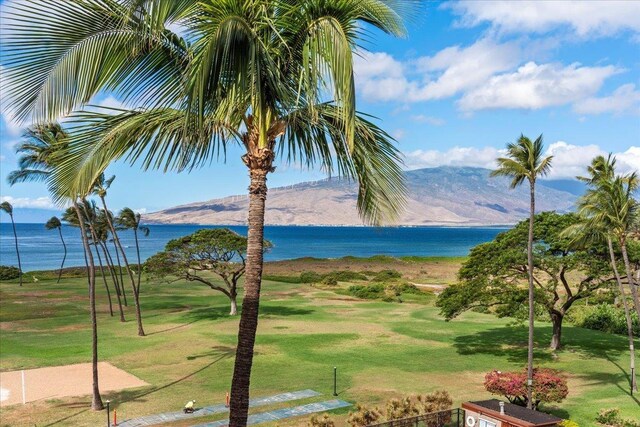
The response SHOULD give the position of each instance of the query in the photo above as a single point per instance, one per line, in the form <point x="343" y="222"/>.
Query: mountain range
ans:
<point x="443" y="196"/>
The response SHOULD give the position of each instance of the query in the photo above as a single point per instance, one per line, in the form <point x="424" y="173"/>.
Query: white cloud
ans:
<point x="624" y="99"/>
<point x="535" y="86"/>
<point x="568" y="161"/>
<point x="583" y="18"/>
<point x="26" y="202"/>
<point x="398" y="134"/>
<point x="379" y="76"/>
<point x="434" y="121"/>
<point x="111" y="102"/>
<point x="140" y="211"/>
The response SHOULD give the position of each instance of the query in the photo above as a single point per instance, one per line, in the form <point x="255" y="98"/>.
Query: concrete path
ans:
<point x="280" y="414"/>
<point x="215" y="409"/>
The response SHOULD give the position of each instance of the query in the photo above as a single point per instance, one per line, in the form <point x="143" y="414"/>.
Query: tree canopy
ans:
<point x="495" y="273"/>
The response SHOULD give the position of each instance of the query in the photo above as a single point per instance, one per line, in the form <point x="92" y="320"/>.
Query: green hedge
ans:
<point x="605" y="318"/>
<point x="9" y="272"/>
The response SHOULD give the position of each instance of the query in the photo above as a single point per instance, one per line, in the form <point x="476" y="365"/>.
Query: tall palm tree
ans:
<point x="54" y="224"/>
<point x="102" y="235"/>
<point x="130" y="220"/>
<point x="597" y="228"/>
<point x="8" y="208"/>
<point x="100" y="187"/>
<point x="525" y="162"/>
<point x="274" y="76"/>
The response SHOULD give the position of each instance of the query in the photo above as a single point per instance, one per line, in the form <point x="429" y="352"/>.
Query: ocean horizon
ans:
<point x="41" y="249"/>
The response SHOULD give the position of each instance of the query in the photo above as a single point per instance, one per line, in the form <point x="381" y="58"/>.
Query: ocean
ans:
<point x="40" y="249"/>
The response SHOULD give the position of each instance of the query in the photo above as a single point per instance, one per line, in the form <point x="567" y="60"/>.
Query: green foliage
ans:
<point x="611" y="417"/>
<point x="346" y="275"/>
<point x="310" y="277"/>
<point x="281" y="279"/>
<point x="568" y="423"/>
<point x="330" y="281"/>
<point x="605" y="318"/>
<point x="321" y="421"/>
<point x="374" y="291"/>
<point x="9" y="272"/>
<point x="386" y="292"/>
<point x="386" y="275"/>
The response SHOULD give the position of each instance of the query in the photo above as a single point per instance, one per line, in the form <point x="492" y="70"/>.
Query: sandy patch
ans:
<point x="62" y="381"/>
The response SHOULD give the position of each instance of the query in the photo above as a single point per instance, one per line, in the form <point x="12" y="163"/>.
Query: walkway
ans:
<point x="150" y="420"/>
<point x="280" y="414"/>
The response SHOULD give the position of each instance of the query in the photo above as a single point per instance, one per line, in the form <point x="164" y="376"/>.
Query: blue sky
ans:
<point x="470" y="77"/>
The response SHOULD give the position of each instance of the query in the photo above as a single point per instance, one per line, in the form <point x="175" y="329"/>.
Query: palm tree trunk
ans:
<point x="113" y="277"/>
<point x="250" y="305"/>
<point x="531" y="299"/>
<point x="629" y="271"/>
<point x="627" y="315"/>
<point x="116" y="239"/>
<point x="64" y="258"/>
<point x="124" y="293"/>
<point x="136" y="289"/>
<point x="96" y="400"/>
<point x="104" y="277"/>
<point x="15" y="238"/>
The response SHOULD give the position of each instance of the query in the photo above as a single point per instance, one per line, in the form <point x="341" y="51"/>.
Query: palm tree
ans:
<point x="53" y="224"/>
<point x="525" y="161"/>
<point x="130" y="220"/>
<point x="8" y="208"/>
<point x="274" y="76"/>
<point x="595" y="228"/>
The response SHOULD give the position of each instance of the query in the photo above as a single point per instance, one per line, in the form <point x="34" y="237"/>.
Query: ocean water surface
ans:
<point x="41" y="249"/>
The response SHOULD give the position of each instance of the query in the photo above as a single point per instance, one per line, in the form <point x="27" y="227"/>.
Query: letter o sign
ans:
<point x="471" y="421"/>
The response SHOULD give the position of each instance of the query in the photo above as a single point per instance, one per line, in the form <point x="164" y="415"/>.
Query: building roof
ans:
<point x="530" y="417"/>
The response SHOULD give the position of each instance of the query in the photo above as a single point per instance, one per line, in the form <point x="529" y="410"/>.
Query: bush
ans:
<point x="605" y="318"/>
<point x="386" y="275"/>
<point x="346" y="275"/>
<point x="374" y="291"/>
<point x="310" y="277"/>
<point x="548" y="386"/>
<point x="611" y="417"/>
<point x="363" y="416"/>
<point x="321" y="421"/>
<point x="9" y="272"/>
<point x="568" y="423"/>
<point x="401" y="408"/>
<point x="330" y="281"/>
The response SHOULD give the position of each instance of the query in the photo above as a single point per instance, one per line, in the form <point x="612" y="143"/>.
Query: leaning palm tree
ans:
<point x="127" y="219"/>
<point x="54" y="224"/>
<point x="8" y="208"/>
<point x="525" y="162"/>
<point x="273" y="76"/>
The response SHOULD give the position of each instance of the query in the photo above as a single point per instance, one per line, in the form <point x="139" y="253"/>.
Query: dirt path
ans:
<point x="62" y="381"/>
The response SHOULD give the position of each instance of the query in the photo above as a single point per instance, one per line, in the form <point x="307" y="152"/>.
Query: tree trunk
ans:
<point x="116" y="239"/>
<point x="629" y="271"/>
<point x="259" y="163"/>
<point x="104" y="277"/>
<point x="556" y="339"/>
<point x="15" y="238"/>
<point x="114" y="278"/>
<point x="627" y="315"/>
<point x="64" y="258"/>
<point x="124" y="293"/>
<point x="136" y="289"/>
<point x="96" y="400"/>
<point x="531" y="299"/>
<point x="234" y="306"/>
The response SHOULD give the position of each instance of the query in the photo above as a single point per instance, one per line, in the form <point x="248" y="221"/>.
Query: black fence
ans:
<point x="448" y="418"/>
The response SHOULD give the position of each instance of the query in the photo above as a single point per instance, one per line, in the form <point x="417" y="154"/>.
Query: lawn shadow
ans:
<point x="215" y="350"/>
<point x="208" y="313"/>
<point x="281" y="311"/>
<point x="172" y="328"/>
<point x="68" y="417"/>
<point x="511" y="342"/>
<point x="125" y="396"/>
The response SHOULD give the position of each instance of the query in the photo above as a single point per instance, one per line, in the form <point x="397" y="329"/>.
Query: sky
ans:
<point x="469" y="77"/>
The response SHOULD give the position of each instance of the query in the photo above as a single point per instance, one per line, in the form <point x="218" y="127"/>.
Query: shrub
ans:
<point x="374" y="291"/>
<point x="310" y="277"/>
<point x="548" y="386"/>
<point x="433" y="402"/>
<point x="400" y="408"/>
<point x="386" y="275"/>
<point x="611" y="417"/>
<point x="282" y="279"/>
<point x="9" y="272"/>
<point x="321" y="421"/>
<point x="346" y="275"/>
<point x="330" y="281"/>
<point x="568" y="423"/>
<point x="605" y="318"/>
<point x="363" y="416"/>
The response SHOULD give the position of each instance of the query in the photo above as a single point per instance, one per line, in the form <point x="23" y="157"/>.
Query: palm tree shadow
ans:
<point x="172" y="328"/>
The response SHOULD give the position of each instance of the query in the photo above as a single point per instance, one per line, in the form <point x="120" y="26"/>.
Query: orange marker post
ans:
<point x="227" y="400"/>
<point x="115" y="418"/>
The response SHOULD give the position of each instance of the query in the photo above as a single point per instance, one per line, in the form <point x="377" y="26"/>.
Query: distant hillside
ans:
<point x="437" y="196"/>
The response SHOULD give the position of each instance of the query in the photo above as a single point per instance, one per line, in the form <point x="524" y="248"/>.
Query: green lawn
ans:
<point x="381" y="350"/>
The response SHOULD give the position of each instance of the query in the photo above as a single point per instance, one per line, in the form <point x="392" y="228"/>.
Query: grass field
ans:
<point x="381" y="349"/>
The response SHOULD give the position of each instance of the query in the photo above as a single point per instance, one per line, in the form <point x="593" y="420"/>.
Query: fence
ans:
<point x="448" y="418"/>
